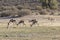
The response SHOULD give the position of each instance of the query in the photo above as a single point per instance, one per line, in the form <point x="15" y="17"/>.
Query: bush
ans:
<point x="44" y="12"/>
<point x="52" y="4"/>
<point x="3" y="8"/>
<point x="4" y="15"/>
<point x="39" y="7"/>
<point x="55" y="12"/>
<point x="10" y="13"/>
<point x="24" y="12"/>
<point x="19" y="7"/>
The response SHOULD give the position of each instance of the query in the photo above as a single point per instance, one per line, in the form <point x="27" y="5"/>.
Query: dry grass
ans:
<point x="21" y="32"/>
<point x="29" y="33"/>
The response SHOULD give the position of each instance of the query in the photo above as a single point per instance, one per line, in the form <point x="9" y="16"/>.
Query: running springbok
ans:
<point x="11" y="21"/>
<point x="21" y="21"/>
<point x="34" y="21"/>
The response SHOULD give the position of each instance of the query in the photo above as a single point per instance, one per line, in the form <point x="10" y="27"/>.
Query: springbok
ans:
<point x="11" y="21"/>
<point x="51" y="19"/>
<point x="21" y="21"/>
<point x="34" y="21"/>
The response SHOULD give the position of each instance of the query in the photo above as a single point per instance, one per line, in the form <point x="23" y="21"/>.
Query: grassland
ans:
<point x="30" y="33"/>
<point x="21" y="32"/>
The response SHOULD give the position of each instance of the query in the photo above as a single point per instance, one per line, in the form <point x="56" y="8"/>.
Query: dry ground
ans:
<point x="46" y="30"/>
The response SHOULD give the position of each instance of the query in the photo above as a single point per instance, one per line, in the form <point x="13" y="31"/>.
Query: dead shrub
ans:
<point x="8" y="13"/>
<point x="4" y="14"/>
<point x="44" y="12"/>
<point x="2" y="8"/>
<point x="19" y="7"/>
<point x="38" y="7"/>
<point x="24" y="12"/>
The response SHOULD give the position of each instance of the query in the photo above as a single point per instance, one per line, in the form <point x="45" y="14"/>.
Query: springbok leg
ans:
<point x="8" y="24"/>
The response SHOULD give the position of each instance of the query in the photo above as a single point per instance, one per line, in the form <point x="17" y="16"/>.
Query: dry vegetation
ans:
<point x="35" y="32"/>
<point x="19" y="10"/>
<point x="46" y="30"/>
<point x="43" y="31"/>
<point x="13" y="8"/>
